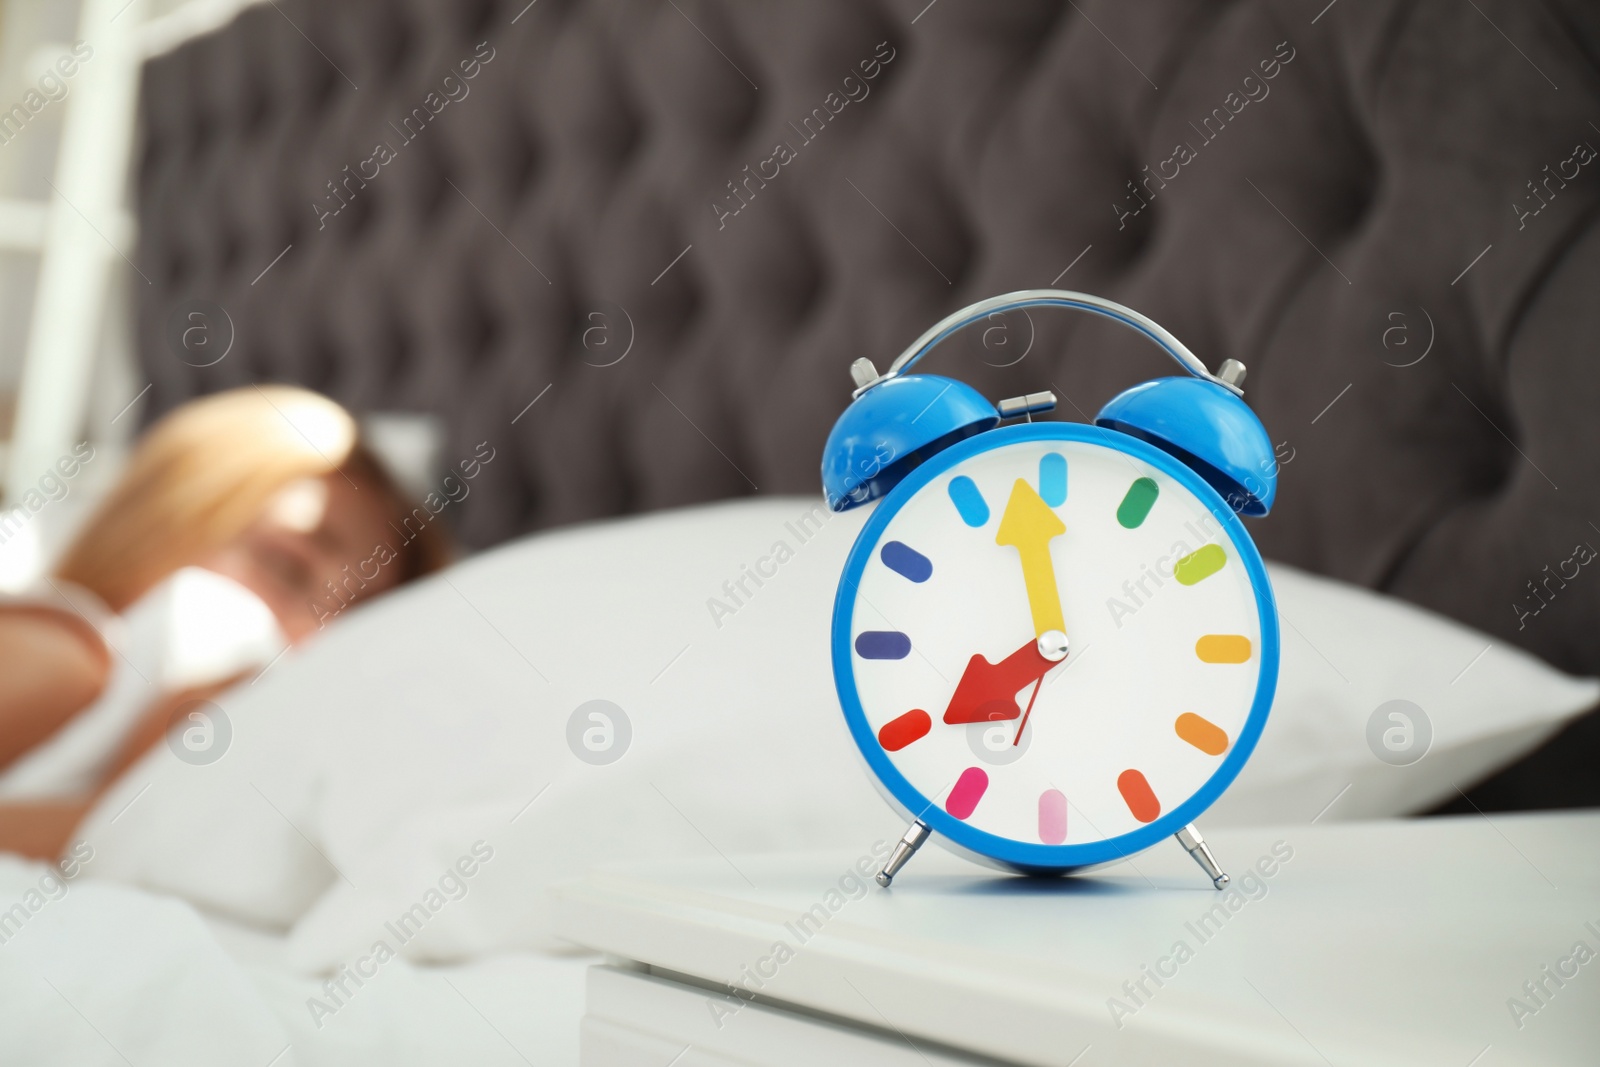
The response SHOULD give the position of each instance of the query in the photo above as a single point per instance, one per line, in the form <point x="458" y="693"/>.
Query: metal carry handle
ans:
<point x="1230" y="375"/>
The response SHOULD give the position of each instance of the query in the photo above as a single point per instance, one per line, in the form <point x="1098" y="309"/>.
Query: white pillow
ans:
<point x="1351" y="655"/>
<point x="423" y="727"/>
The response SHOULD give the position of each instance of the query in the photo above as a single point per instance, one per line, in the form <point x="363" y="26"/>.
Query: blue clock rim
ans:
<point x="1023" y="855"/>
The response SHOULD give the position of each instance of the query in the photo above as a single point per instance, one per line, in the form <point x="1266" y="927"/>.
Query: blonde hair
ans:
<point x="206" y="470"/>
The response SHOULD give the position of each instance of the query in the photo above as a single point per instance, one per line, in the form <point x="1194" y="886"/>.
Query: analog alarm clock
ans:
<point x="1054" y="644"/>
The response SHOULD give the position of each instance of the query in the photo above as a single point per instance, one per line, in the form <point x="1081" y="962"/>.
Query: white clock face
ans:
<point x="1033" y="538"/>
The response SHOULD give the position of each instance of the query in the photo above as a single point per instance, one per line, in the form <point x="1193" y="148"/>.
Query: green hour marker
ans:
<point x="1197" y="566"/>
<point x="1136" y="505"/>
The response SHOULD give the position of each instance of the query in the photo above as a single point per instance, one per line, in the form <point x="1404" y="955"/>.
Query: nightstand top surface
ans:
<point x="1403" y="942"/>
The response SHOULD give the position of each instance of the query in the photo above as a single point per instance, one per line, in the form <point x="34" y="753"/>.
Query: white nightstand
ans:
<point x="1354" y="944"/>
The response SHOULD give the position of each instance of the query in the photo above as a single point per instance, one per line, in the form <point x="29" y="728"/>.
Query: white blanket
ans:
<point x="93" y="973"/>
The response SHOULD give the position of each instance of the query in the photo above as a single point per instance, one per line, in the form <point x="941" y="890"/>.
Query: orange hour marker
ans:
<point x="1223" y="648"/>
<point x="1202" y="733"/>
<point x="1138" y="795"/>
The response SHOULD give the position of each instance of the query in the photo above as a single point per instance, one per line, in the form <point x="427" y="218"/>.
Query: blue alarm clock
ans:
<point x="1054" y="644"/>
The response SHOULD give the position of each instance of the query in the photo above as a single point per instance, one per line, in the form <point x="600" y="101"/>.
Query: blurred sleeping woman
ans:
<point x="243" y="522"/>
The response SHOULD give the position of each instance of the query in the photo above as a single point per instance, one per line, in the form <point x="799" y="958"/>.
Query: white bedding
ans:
<point x="102" y="973"/>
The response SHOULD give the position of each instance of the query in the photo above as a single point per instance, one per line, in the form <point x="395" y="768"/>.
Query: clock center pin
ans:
<point x="1053" y="645"/>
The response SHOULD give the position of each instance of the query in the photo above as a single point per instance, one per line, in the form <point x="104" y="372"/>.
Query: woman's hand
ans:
<point x="52" y="665"/>
<point x="156" y="720"/>
<point x="40" y="829"/>
<point x="43" y="828"/>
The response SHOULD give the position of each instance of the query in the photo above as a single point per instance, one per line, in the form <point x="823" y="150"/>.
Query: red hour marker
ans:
<point x="966" y="793"/>
<point x="899" y="732"/>
<point x="1138" y="795"/>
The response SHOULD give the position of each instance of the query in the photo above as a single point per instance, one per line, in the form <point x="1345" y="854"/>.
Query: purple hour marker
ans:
<point x="882" y="644"/>
<point x="906" y="561"/>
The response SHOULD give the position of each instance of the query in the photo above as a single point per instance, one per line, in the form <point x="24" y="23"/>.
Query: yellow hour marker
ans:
<point x="1223" y="648"/>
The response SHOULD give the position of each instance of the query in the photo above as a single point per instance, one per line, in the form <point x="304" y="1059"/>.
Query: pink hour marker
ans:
<point x="1052" y="817"/>
<point x="966" y="793"/>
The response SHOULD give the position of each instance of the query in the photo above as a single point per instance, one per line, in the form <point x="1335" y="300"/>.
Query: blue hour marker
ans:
<point x="968" y="501"/>
<point x="1053" y="479"/>
<point x="882" y="644"/>
<point x="906" y="561"/>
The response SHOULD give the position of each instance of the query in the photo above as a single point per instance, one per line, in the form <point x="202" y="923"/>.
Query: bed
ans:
<point x="424" y="775"/>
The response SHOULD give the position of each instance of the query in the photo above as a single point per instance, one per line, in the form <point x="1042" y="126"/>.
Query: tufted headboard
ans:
<point x="635" y="244"/>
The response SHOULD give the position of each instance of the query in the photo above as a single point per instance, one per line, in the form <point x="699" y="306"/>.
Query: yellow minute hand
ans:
<point x="1029" y="524"/>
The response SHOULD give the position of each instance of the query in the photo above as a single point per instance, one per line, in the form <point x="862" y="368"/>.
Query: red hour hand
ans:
<point x="988" y="691"/>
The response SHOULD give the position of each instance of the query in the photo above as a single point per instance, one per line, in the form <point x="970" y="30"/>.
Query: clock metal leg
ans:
<point x="904" y="849"/>
<point x="1189" y="837"/>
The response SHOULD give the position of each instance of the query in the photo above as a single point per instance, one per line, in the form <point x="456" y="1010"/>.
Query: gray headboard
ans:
<point x="1385" y="208"/>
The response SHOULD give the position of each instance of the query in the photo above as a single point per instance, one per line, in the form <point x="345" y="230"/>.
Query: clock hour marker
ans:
<point x="1137" y="502"/>
<point x="1223" y="648"/>
<point x="969" y="501"/>
<point x="1136" y="793"/>
<point x="1202" y="733"/>
<point x="882" y="644"/>
<point x="1052" y="817"/>
<point x="899" y="732"/>
<point x="1053" y="479"/>
<point x="966" y="793"/>
<point x="1198" y="566"/>
<point x="906" y="561"/>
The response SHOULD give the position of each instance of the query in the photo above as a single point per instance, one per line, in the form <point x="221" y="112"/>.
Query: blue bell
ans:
<point x="900" y="419"/>
<point x="895" y="425"/>
<point x="1207" y="427"/>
